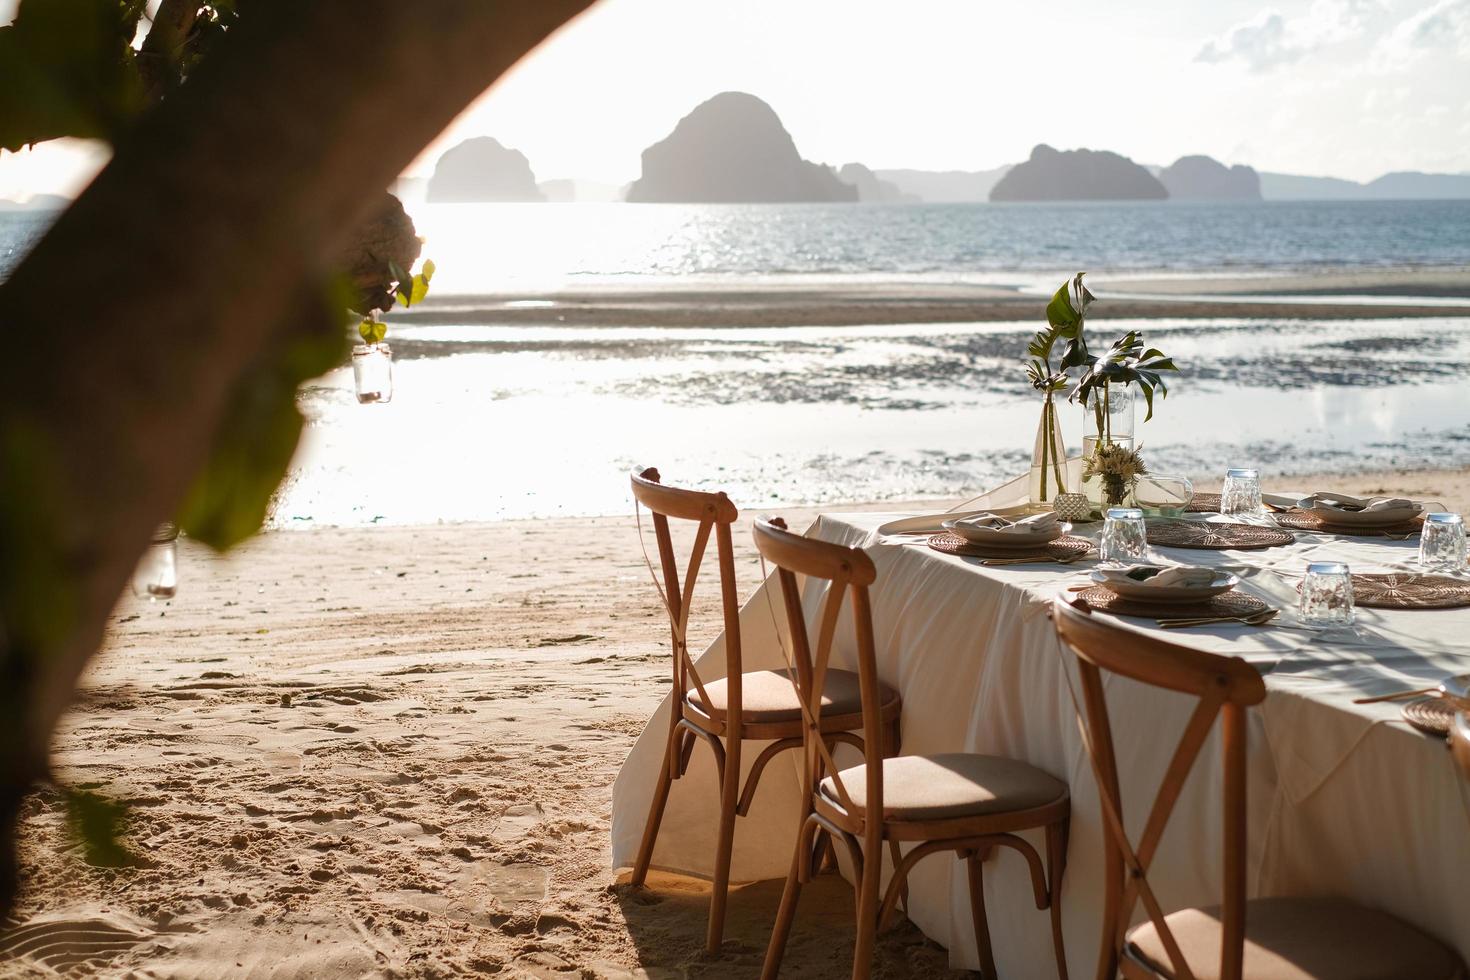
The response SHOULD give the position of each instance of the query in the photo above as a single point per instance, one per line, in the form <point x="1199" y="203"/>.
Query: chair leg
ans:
<point x="729" y="802"/>
<point x="1056" y="863"/>
<point x="784" y="915"/>
<point x="655" y="812"/>
<point x="977" y="912"/>
<point x="903" y="888"/>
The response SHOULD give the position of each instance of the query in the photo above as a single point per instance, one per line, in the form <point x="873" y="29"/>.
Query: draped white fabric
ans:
<point x="1345" y="799"/>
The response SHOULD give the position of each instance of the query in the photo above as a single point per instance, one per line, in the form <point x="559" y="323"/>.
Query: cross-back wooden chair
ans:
<point x="758" y="705"/>
<point x="1240" y="939"/>
<point x="958" y="802"/>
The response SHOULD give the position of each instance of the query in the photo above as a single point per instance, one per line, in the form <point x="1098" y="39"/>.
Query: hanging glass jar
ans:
<point x="157" y="574"/>
<point x="1107" y="420"/>
<point x="372" y="372"/>
<point x="1048" y="459"/>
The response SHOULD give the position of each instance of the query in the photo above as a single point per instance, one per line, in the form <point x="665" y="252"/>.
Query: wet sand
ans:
<point x="389" y="752"/>
<point x="817" y="304"/>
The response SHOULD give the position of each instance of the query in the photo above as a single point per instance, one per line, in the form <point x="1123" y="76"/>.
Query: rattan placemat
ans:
<point x="1406" y="590"/>
<point x="1231" y="603"/>
<point x="1066" y="548"/>
<point x="1301" y="520"/>
<point x="1204" y="503"/>
<point x="1429" y="715"/>
<point x="1215" y="536"/>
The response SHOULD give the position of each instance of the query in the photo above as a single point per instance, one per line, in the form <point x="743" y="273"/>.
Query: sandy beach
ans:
<point x="389" y="752"/>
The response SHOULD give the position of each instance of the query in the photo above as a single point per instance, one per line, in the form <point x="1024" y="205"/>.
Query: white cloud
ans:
<point x="1270" y="39"/>
<point x="1442" y="25"/>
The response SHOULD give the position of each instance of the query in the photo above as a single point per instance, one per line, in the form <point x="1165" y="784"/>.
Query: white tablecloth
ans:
<point x="1345" y="800"/>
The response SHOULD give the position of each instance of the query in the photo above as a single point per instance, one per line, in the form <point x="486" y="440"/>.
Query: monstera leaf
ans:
<point x="1127" y="362"/>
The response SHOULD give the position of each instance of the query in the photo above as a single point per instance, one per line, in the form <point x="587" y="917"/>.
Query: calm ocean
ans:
<point x="512" y="421"/>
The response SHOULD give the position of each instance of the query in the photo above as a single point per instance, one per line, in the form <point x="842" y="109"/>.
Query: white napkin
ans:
<point x="1162" y="576"/>
<point x="1034" y="524"/>
<point x="1347" y="503"/>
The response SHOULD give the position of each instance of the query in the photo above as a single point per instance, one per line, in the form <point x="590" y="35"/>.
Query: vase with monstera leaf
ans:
<point x="1064" y="317"/>
<point x="1107" y="392"/>
<point x="372" y="360"/>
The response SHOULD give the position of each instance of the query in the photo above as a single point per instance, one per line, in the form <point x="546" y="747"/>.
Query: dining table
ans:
<point x="1344" y="799"/>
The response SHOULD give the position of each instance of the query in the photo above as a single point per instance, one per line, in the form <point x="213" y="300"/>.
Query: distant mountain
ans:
<point x="36" y="202"/>
<point x="945" y="186"/>
<point x="480" y="169"/>
<point x="568" y="190"/>
<point x="873" y="189"/>
<point x="1402" y="185"/>
<point x="1202" y="178"/>
<point x="1077" y="175"/>
<point x="733" y="148"/>
<point x="1406" y="184"/>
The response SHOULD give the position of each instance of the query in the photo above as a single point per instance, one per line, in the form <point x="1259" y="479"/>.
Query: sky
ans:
<point x="1347" y="88"/>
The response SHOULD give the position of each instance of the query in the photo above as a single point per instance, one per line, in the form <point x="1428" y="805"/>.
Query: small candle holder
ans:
<point x="372" y="373"/>
<point x="157" y="574"/>
<point x="1074" y="507"/>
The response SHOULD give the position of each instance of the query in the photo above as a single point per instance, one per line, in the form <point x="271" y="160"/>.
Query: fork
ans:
<point x="1038" y="561"/>
<point x="1255" y="619"/>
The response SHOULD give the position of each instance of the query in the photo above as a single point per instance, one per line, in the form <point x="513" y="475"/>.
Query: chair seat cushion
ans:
<point x="950" y="785"/>
<point x="768" y="696"/>
<point x="1302" y="939"/>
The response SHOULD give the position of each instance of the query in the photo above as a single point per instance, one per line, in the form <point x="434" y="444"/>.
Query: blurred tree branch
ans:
<point x="200" y="252"/>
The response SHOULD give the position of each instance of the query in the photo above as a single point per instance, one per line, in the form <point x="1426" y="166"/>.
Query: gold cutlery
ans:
<point x="1394" y="696"/>
<point x="1255" y="619"/>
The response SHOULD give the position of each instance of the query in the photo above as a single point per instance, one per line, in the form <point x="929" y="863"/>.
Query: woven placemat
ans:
<point x="1225" y="604"/>
<point x="1301" y="520"/>
<point x="1204" y="503"/>
<point x="1404" y="590"/>
<point x="1430" y="715"/>
<point x="1214" y="536"/>
<point x="1066" y="548"/>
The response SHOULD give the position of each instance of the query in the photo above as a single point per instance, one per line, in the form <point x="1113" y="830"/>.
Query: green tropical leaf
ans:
<point x="372" y="331"/>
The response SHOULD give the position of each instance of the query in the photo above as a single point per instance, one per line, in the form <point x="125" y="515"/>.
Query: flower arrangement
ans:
<point x="1118" y="467"/>
<point x="1064" y="316"/>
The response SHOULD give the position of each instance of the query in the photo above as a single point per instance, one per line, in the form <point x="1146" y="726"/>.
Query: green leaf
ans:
<point x="372" y="331"/>
<point x="1059" y="312"/>
<point x="67" y="69"/>
<point x="427" y="271"/>
<point x="98" y="824"/>
<point x="255" y="442"/>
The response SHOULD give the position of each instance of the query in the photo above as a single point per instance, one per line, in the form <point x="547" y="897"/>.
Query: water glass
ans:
<point x="1241" y="493"/>
<point x="1442" y="543"/>
<point x="1124" y="537"/>
<point x="1327" y="595"/>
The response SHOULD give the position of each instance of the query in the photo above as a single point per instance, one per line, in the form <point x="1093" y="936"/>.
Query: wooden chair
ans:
<point x="760" y="705"/>
<point x="959" y="802"/>
<point x="1275" y="938"/>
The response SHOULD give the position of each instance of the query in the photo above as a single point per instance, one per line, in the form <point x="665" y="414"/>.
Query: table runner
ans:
<point x="1344" y="799"/>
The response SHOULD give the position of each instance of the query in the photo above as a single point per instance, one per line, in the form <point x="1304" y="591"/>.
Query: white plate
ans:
<point x="1143" y="592"/>
<point x="995" y="538"/>
<point x="1362" y="518"/>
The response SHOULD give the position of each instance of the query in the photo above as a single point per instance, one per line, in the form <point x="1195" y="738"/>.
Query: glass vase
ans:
<point x="1048" y="459"/>
<point x="1107" y="420"/>
<point x="157" y="574"/>
<point x="372" y="373"/>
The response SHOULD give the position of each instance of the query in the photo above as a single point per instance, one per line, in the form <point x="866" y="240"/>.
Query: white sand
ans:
<point x="390" y="752"/>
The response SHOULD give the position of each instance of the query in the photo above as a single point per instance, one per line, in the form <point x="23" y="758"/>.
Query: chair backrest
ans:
<point x="1224" y="687"/>
<point x="711" y="512"/>
<point x="1460" y="740"/>
<point x="849" y="572"/>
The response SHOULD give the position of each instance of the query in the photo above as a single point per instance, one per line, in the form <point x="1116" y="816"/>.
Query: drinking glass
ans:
<point x="1124" y="537"/>
<point x="1241" y="493"/>
<point x="157" y="574"/>
<point x="1164" y="496"/>
<point x="1442" y="543"/>
<point x="1327" y="594"/>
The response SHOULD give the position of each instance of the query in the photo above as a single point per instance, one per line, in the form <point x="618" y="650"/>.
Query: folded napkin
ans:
<point x="1162" y="576"/>
<point x="1034" y="524"/>
<point x="1353" y="505"/>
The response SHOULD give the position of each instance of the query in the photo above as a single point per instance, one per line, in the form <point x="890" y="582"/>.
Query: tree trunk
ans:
<point x="135" y="316"/>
